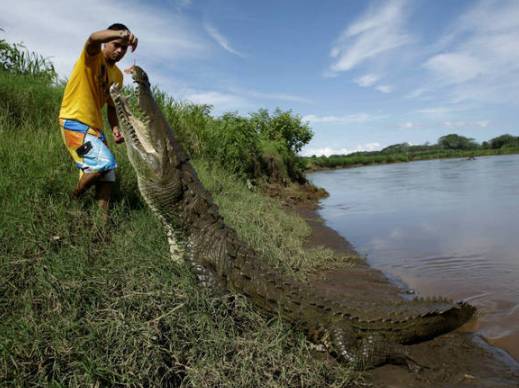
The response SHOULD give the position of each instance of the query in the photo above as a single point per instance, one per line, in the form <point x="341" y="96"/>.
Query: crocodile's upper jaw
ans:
<point x="147" y="140"/>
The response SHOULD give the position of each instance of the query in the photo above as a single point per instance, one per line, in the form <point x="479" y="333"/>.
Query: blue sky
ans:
<point x="364" y="74"/>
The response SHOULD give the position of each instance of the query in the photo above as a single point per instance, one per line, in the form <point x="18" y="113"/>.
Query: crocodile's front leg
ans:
<point x="375" y="350"/>
<point x="369" y="352"/>
<point x="342" y="345"/>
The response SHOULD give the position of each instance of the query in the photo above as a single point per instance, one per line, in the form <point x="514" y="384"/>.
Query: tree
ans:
<point x="283" y="126"/>
<point x="402" y="147"/>
<point x="456" y="142"/>
<point x="504" y="141"/>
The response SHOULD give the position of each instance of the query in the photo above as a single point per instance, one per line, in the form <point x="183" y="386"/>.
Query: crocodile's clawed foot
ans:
<point x="411" y="364"/>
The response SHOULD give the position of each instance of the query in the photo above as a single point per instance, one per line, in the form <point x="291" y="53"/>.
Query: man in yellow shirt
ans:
<point x="80" y="117"/>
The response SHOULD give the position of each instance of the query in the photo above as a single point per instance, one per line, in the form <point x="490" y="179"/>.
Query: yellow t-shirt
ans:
<point x="87" y="89"/>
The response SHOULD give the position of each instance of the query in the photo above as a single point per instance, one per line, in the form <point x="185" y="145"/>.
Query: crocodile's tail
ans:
<point x="408" y="322"/>
<point x="383" y="341"/>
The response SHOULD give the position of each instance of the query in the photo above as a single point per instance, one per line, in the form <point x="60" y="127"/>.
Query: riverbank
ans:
<point x="460" y="358"/>
<point x="334" y="162"/>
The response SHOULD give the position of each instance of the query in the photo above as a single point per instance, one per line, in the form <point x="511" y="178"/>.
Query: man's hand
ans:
<point x="97" y="38"/>
<point x="129" y="39"/>
<point x="118" y="136"/>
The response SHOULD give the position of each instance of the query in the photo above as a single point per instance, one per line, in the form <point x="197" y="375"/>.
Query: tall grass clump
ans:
<point x="82" y="304"/>
<point x="16" y="59"/>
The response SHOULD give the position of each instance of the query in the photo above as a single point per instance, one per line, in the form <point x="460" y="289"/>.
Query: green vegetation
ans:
<point x="260" y="147"/>
<point x="16" y="59"/>
<point x="83" y="304"/>
<point x="448" y="146"/>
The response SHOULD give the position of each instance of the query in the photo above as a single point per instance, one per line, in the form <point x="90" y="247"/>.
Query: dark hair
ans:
<point x="118" y="27"/>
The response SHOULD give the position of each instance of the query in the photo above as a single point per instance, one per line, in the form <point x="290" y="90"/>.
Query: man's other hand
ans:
<point x="130" y="39"/>
<point x="118" y="136"/>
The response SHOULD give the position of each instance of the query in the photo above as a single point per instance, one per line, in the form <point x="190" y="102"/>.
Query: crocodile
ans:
<point x="361" y="334"/>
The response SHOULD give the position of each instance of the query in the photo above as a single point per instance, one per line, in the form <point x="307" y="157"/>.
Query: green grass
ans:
<point x="81" y="304"/>
<point x="276" y="235"/>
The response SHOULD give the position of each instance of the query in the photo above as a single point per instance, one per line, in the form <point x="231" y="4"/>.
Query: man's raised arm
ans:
<point x="99" y="37"/>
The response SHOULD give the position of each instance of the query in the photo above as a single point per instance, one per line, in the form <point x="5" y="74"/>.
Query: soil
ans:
<point x="457" y="359"/>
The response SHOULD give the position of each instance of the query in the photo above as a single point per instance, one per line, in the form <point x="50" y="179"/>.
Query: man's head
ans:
<point x="115" y="50"/>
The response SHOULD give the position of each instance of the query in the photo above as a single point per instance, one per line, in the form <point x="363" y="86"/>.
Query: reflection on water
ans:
<point x="446" y="227"/>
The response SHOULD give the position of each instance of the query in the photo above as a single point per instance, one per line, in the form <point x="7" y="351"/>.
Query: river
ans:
<point x="441" y="227"/>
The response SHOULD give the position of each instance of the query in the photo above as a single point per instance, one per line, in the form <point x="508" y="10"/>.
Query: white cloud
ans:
<point x="366" y="80"/>
<point x="491" y="16"/>
<point x="417" y="93"/>
<point x="384" y="88"/>
<point x="275" y="96"/>
<point x="59" y="31"/>
<point x="233" y="99"/>
<point x="461" y="124"/>
<point x="377" y="31"/>
<point x="212" y="98"/>
<point x="370" y="80"/>
<point x="435" y="111"/>
<point x="346" y="119"/>
<point x="409" y="125"/>
<point x="482" y="62"/>
<point x="184" y="3"/>
<point x="221" y="40"/>
<point x="221" y="101"/>
<point x="455" y="67"/>
<point x="327" y="151"/>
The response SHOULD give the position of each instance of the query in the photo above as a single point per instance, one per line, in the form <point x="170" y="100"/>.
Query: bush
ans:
<point x="233" y="141"/>
<point x="258" y="147"/>
<point x="25" y="99"/>
<point x="507" y="141"/>
<point x="283" y="126"/>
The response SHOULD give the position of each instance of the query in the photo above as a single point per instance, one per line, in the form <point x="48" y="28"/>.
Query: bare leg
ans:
<point x="85" y="182"/>
<point x="103" y="195"/>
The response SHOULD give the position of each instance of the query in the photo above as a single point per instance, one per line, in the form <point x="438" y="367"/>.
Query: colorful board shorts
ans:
<point x="88" y="148"/>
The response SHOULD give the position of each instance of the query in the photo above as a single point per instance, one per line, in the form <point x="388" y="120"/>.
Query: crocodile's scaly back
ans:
<point x="360" y="333"/>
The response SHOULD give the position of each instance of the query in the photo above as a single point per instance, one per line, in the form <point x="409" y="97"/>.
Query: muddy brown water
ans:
<point x="443" y="227"/>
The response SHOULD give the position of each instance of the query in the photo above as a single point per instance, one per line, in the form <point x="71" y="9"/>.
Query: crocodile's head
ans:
<point x="149" y="139"/>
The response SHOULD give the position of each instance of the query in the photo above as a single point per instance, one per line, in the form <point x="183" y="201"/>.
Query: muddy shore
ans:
<point x="457" y="359"/>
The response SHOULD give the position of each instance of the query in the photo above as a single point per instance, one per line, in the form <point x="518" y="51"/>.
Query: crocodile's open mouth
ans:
<point x="136" y="119"/>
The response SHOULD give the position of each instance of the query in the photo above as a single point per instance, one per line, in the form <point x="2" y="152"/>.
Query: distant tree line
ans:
<point x="448" y="146"/>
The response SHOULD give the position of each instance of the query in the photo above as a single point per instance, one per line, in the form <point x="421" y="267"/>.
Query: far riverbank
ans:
<point x="360" y="159"/>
